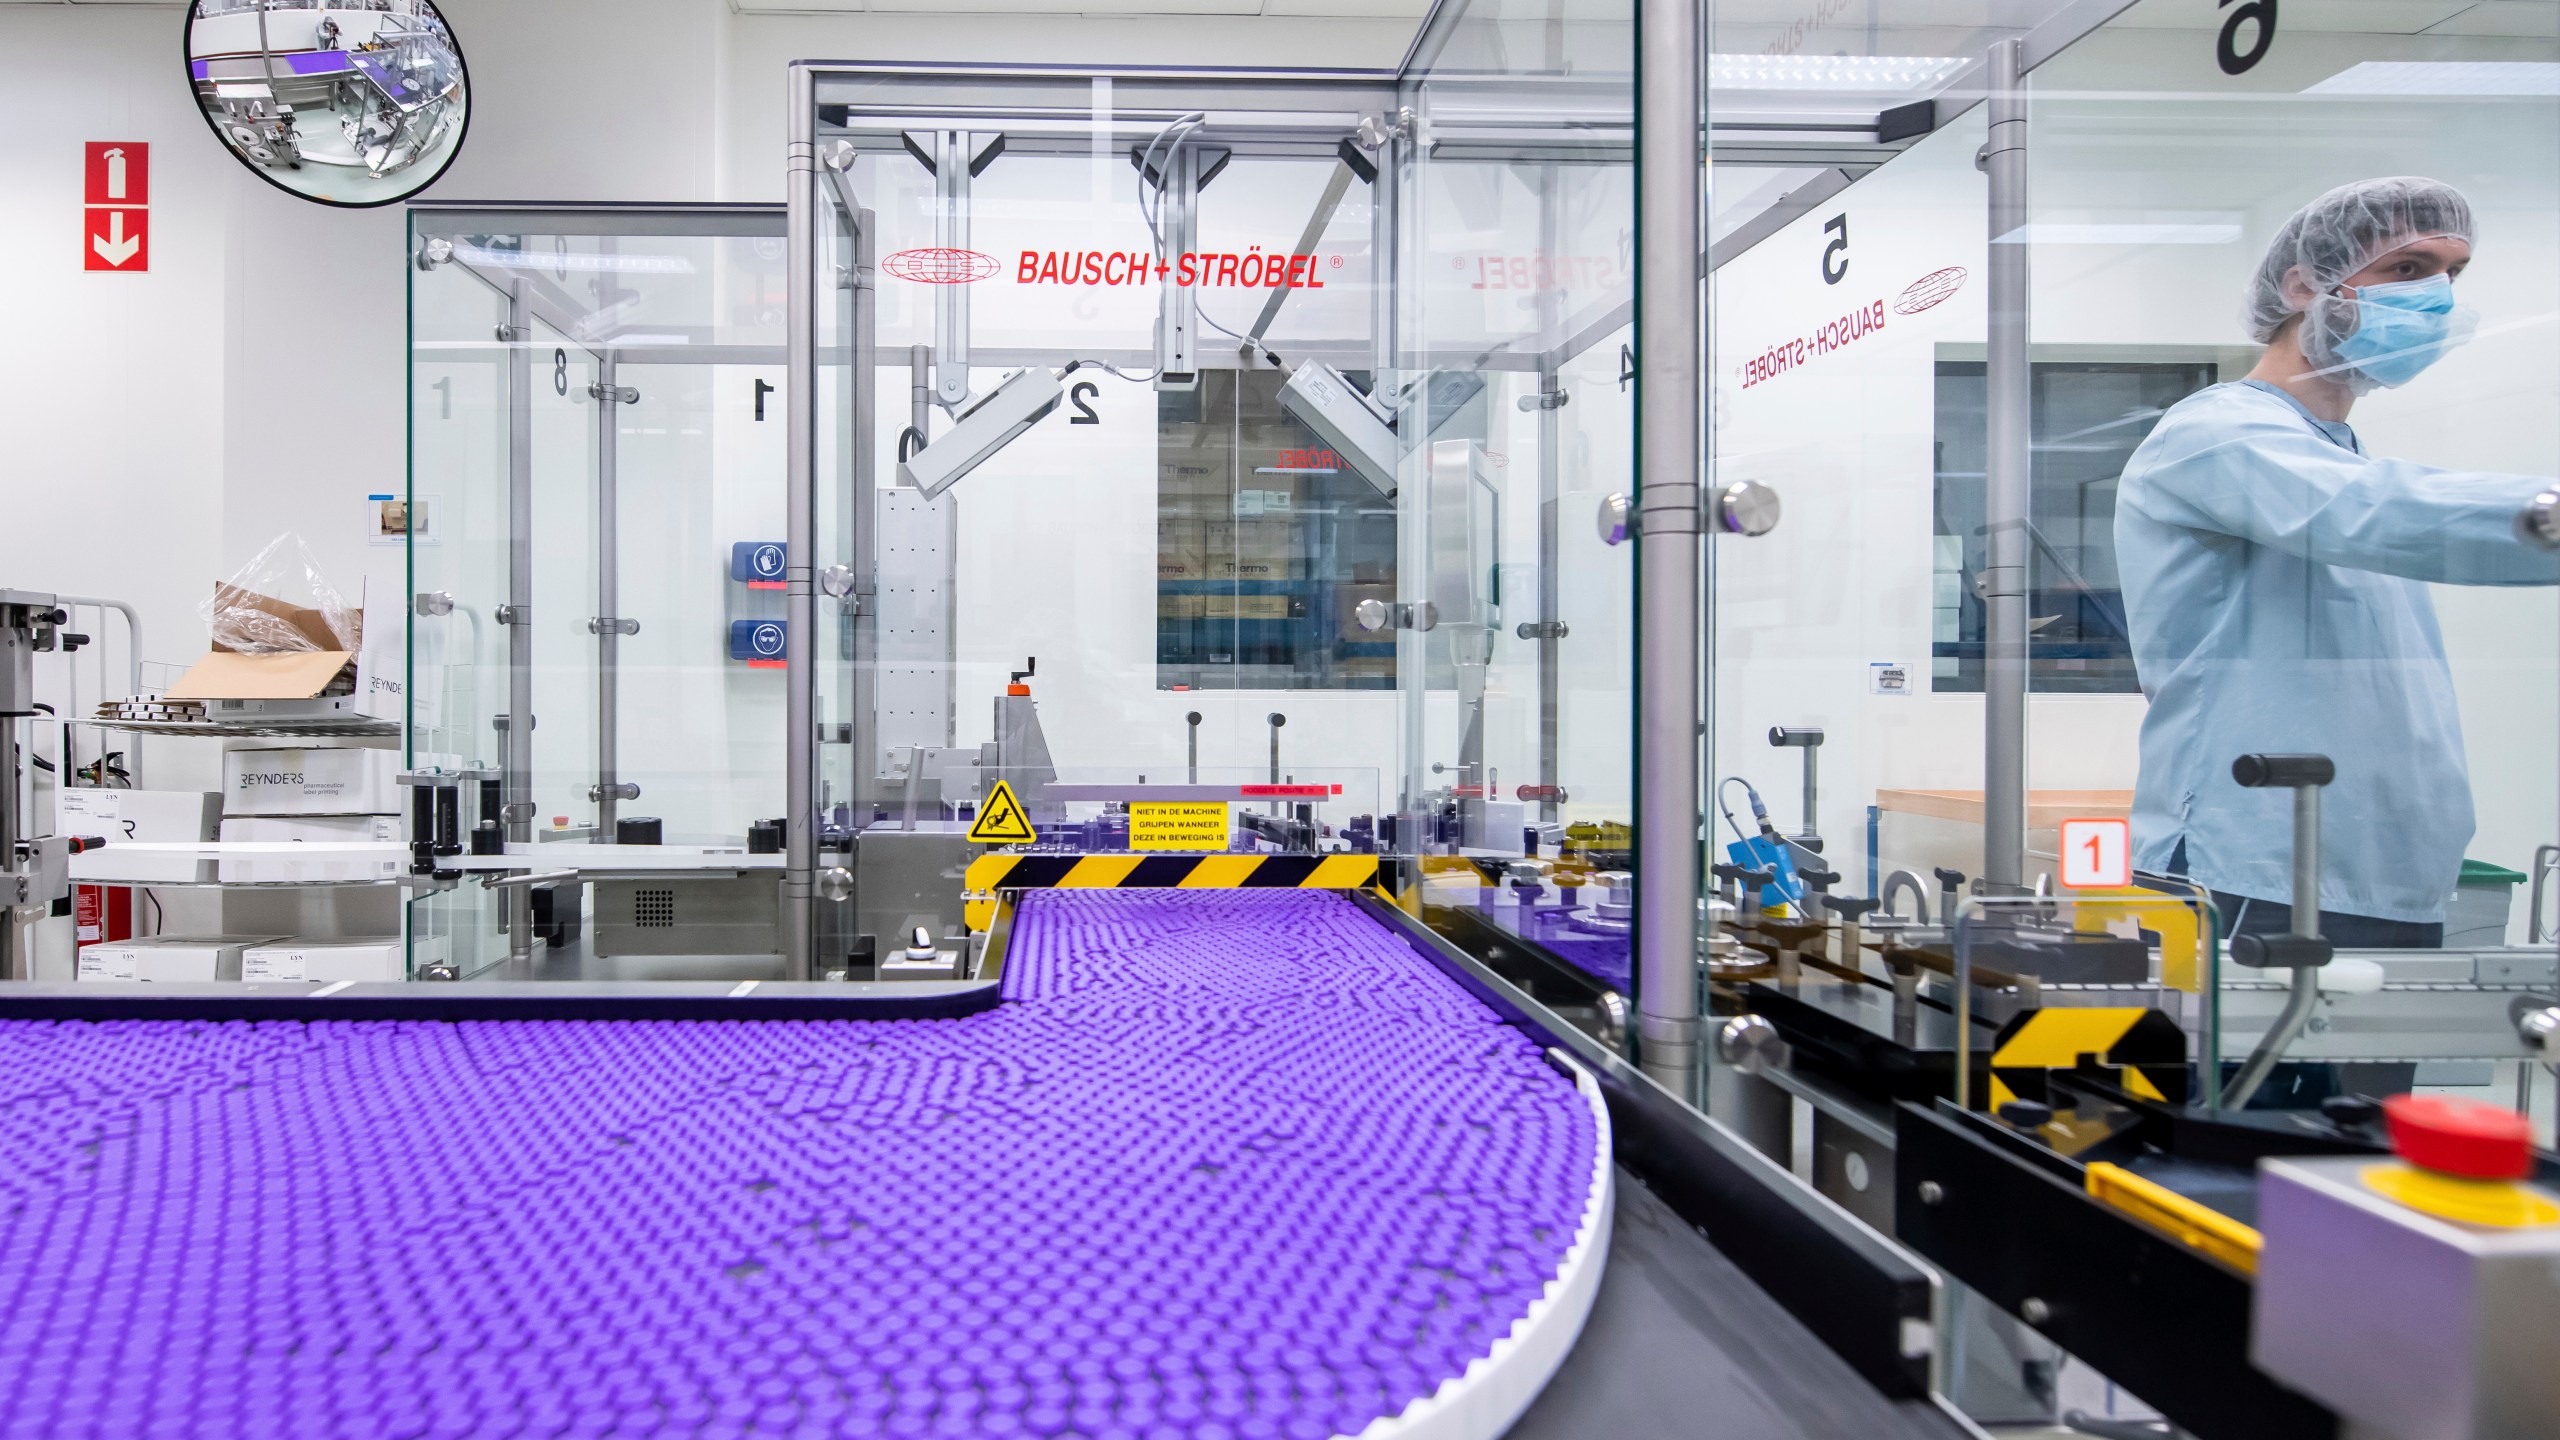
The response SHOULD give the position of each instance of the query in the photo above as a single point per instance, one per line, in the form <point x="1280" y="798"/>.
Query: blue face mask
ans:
<point x="2404" y="327"/>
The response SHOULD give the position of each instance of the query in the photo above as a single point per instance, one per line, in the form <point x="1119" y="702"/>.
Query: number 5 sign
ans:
<point x="2097" y="854"/>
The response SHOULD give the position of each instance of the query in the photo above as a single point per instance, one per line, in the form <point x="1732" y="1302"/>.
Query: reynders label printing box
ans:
<point x="328" y="961"/>
<point x="311" y="829"/>
<point x="124" y="817"/>
<point x="168" y="959"/>
<point x="311" y="781"/>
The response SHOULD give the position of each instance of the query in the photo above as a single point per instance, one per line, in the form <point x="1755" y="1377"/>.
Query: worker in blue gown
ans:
<point x="2275" y="580"/>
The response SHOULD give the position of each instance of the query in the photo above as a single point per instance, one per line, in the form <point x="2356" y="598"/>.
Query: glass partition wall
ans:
<point x="1519" y="218"/>
<point x="596" y="535"/>
<point x="2153" y="426"/>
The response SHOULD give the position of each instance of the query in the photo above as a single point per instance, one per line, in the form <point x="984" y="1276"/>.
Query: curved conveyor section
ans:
<point x="1225" y="1163"/>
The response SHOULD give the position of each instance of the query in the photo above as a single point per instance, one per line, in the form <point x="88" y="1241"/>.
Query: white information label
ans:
<point x="1888" y="677"/>
<point x="2097" y="854"/>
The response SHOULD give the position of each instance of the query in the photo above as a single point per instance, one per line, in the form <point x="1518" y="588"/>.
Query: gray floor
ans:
<point x="1680" y="1342"/>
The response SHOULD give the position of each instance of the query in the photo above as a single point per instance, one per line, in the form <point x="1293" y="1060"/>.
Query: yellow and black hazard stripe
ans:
<point x="989" y="874"/>
<point x="2141" y="1051"/>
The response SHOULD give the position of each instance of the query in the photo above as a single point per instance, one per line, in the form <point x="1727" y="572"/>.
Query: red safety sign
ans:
<point x="119" y="239"/>
<point x="115" y="226"/>
<point x="119" y="173"/>
<point x="2097" y="854"/>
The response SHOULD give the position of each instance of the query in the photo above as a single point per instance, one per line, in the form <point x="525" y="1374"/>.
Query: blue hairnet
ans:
<point x="2342" y="232"/>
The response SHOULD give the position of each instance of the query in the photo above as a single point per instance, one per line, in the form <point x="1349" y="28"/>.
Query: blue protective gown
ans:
<point x="2274" y="584"/>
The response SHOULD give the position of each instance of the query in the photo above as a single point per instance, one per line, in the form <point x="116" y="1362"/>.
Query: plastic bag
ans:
<point x="280" y="603"/>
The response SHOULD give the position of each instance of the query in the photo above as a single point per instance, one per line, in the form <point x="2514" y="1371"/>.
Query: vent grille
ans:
<point x="653" y="909"/>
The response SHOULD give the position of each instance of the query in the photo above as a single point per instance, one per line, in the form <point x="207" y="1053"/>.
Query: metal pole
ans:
<point x="1812" y="789"/>
<point x="1670" y="327"/>
<point x="1550" y="515"/>
<point x="2007" y="490"/>
<point x="518" y="769"/>
<point x="266" y="56"/>
<point x="608" y="597"/>
<point x="2306" y="861"/>
<point x="17" y="962"/>
<point x="800" y="847"/>
<point x="862" y="720"/>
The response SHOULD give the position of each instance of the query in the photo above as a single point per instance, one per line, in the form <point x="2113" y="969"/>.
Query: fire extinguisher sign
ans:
<point x="115" y="200"/>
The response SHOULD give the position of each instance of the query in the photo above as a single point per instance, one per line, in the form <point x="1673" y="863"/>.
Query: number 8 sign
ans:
<point x="2097" y="854"/>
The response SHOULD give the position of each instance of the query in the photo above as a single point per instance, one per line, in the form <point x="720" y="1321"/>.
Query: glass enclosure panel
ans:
<point x="2311" y="550"/>
<point x="1150" y="571"/>
<point x="1519" y="232"/>
<point x="596" y="446"/>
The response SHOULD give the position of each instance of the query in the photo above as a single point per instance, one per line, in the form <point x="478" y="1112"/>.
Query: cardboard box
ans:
<point x="182" y="817"/>
<point x="296" y="675"/>
<point x="308" y="829"/>
<point x="311" y="780"/>
<point x="326" y="961"/>
<point x="168" y="959"/>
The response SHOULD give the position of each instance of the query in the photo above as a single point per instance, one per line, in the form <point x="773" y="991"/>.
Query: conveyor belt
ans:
<point x="1226" y="1162"/>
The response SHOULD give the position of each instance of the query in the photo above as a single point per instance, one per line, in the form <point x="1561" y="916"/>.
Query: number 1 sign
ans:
<point x="2097" y="854"/>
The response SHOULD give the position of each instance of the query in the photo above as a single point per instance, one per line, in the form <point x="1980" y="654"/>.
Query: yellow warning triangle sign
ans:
<point x="1001" y="821"/>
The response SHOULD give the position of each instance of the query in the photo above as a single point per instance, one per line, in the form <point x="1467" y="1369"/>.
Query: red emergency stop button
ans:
<point x="2468" y="1138"/>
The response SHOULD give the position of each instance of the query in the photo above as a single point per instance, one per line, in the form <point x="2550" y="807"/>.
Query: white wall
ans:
<point x="2129" y="128"/>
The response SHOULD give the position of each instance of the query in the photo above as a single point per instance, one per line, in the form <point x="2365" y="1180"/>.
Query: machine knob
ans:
<point x="1371" y="614"/>
<point x="435" y="252"/>
<point x="836" y="580"/>
<point x="1750" y="1044"/>
<point x="2538" y="523"/>
<point x="1852" y="908"/>
<point x="835" y="883"/>
<point x="1819" y="880"/>
<point x="1617" y="518"/>
<point x="1745" y="507"/>
<point x="920" y="944"/>
<point x="2538" y="1025"/>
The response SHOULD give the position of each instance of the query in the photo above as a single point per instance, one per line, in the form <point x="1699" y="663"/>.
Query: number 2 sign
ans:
<point x="2097" y="854"/>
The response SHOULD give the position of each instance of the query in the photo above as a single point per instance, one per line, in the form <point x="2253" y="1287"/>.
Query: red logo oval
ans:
<point x="1929" y="290"/>
<point x="938" y="265"/>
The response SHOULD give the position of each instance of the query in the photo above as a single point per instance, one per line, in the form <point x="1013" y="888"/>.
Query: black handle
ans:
<point x="1193" y="719"/>
<point x="2280" y="952"/>
<point x="1727" y="872"/>
<point x="1850" y="907"/>
<point x="1029" y="666"/>
<point x="1804" y="738"/>
<point x="1759" y="879"/>
<point x="2258" y="772"/>
<point x="1948" y="879"/>
<point x="1819" y="879"/>
<point x="83" y="844"/>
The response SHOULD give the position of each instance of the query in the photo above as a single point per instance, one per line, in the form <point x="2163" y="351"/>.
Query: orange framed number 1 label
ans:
<point x="2097" y="854"/>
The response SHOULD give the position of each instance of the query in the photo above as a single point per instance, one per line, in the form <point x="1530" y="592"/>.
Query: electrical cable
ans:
<point x="1172" y="137"/>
